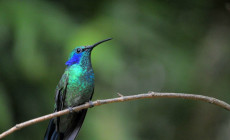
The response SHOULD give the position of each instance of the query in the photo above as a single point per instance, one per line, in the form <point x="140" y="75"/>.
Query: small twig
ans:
<point x="119" y="99"/>
<point x="119" y="94"/>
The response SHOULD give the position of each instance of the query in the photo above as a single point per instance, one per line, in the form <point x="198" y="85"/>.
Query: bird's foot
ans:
<point x="70" y="109"/>
<point x="91" y="104"/>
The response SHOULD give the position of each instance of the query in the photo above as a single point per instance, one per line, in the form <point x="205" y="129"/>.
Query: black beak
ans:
<point x="94" y="45"/>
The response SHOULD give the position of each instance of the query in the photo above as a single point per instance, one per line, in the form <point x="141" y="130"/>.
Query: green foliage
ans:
<point x="172" y="46"/>
<point x="5" y="108"/>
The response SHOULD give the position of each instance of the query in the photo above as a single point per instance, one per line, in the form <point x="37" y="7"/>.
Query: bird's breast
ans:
<point x="80" y="86"/>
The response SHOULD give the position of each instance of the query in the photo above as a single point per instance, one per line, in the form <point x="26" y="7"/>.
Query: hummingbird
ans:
<point x="76" y="87"/>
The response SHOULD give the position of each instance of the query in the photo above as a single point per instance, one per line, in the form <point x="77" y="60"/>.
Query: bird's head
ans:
<point x="82" y="53"/>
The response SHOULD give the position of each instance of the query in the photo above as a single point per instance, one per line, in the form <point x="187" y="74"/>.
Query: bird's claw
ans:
<point x="91" y="104"/>
<point x="71" y="110"/>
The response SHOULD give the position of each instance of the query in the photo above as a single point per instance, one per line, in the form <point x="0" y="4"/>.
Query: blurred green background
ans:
<point x="165" y="46"/>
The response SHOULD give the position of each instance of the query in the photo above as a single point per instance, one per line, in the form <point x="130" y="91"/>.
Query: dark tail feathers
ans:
<point x="72" y="131"/>
<point x="51" y="133"/>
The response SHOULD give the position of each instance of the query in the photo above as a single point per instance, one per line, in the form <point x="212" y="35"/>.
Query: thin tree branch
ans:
<point x="122" y="98"/>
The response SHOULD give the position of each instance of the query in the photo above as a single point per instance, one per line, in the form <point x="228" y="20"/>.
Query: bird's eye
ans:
<point x="79" y="50"/>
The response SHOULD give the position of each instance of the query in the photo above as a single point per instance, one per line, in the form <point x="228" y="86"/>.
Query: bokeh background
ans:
<point x="165" y="46"/>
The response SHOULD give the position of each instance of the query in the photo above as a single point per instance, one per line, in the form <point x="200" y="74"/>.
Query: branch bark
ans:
<point x="122" y="98"/>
